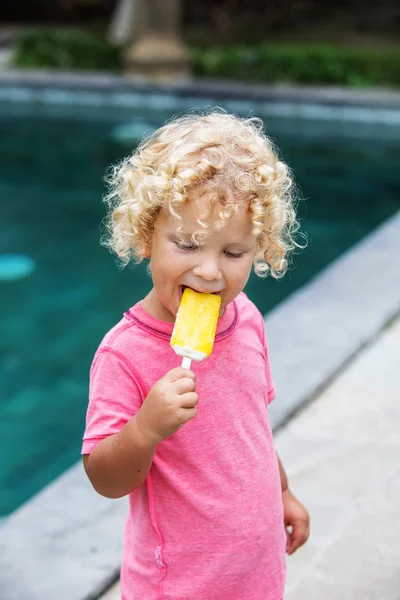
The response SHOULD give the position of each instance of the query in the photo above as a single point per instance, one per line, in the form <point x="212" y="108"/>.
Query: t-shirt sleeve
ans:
<point x="115" y="396"/>
<point x="270" y="382"/>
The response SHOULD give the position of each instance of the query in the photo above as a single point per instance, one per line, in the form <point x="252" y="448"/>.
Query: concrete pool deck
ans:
<point x="343" y="457"/>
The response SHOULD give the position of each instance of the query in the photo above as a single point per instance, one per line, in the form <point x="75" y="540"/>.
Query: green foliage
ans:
<point x="66" y="49"/>
<point x="300" y="63"/>
<point x="264" y="63"/>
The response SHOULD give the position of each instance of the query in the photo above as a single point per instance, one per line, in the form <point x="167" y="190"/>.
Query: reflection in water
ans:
<point x="15" y="266"/>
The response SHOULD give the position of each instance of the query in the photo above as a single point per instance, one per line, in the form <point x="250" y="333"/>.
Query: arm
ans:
<point x="296" y="517"/>
<point x="120" y="463"/>
<point x="283" y="476"/>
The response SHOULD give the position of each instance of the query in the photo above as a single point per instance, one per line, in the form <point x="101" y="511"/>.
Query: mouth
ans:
<point x="199" y="291"/>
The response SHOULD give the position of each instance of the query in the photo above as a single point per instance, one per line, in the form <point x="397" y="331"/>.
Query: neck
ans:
<point x="152" y="305"/>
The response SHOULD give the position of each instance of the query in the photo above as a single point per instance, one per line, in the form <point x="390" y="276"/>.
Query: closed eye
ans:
<point x="186" y="247"/>
<point x="233" y="254"/>
<point x="193" y="247"/>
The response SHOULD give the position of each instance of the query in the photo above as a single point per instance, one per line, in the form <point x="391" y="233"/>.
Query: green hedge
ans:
<point x="66" y="49"/>
<point x="299" y="63"/>
<point x="264" y="63"/>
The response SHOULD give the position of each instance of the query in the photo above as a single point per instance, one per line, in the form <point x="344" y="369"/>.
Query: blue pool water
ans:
<point x="60" y="291"/>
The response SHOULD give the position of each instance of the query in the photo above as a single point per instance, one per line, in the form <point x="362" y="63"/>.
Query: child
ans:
<point x="204" y="198"/>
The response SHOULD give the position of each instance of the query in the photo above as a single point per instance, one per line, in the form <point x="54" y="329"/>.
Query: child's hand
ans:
<point x="170" y="404"/>
<point x="297" y="522"/>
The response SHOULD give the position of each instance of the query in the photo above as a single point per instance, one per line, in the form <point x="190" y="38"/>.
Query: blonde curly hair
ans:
<point x="224" y="157"/>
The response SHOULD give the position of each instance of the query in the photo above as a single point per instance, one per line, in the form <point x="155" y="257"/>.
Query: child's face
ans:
<point x="222" y="265"/>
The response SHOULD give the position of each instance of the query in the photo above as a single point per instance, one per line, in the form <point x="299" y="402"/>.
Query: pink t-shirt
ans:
<point x="207" y="524"/>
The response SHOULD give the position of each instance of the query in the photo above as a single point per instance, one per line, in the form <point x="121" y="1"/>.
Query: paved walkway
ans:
<point x="342" y="454"/>
<point x="343" y="457"/>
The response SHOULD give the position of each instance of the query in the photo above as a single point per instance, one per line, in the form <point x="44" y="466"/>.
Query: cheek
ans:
<point x="164" y="272"/>
<point x="169" y="267"/>
<point x="241" y="274"/>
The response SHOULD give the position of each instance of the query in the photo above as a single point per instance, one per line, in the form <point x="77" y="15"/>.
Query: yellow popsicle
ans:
<point x="195" y="325"/>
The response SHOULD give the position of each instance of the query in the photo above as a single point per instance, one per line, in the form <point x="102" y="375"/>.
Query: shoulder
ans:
<point x="119" y="334"/>
<point x="250" y="318"/>
<point x="247" y="309"/>
<point x="115" y="360"/>
<point x="123" y="338"/>
<point x="132" y="341"/>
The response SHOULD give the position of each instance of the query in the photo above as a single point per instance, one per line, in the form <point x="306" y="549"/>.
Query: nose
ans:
<point x="208" y="268"/>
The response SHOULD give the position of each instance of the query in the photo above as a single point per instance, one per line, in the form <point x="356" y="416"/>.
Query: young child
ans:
<point x="211" y="514"/>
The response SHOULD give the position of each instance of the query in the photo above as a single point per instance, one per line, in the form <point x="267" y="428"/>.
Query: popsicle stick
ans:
<point x="186" y="362"/>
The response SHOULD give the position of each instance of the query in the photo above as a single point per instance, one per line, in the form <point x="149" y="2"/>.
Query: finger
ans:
<point x="291" y="546"/>
<point x="187" y="414"/>
<point x="189" y="400"/>
<point x="178" y="373"/>
<point x="288" y="541"/>
<point x="184" y="385"/>
<point x="298" y="536"/>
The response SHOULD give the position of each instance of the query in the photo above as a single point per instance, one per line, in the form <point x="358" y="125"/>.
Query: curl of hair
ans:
<point x="228" y="159"/>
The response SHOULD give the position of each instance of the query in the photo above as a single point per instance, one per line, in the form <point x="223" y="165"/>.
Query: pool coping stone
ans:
<point x="105" y="82"/>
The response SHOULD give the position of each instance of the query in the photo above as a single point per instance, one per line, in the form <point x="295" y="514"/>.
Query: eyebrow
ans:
<point x="180" y="234"/>
<point x="244" y="242"/>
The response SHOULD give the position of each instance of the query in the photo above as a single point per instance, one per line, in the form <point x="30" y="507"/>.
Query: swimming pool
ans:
<point x="51" y="170"/>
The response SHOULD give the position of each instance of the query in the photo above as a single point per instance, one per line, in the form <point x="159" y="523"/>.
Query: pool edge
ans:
<point x="217" y="88"/>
